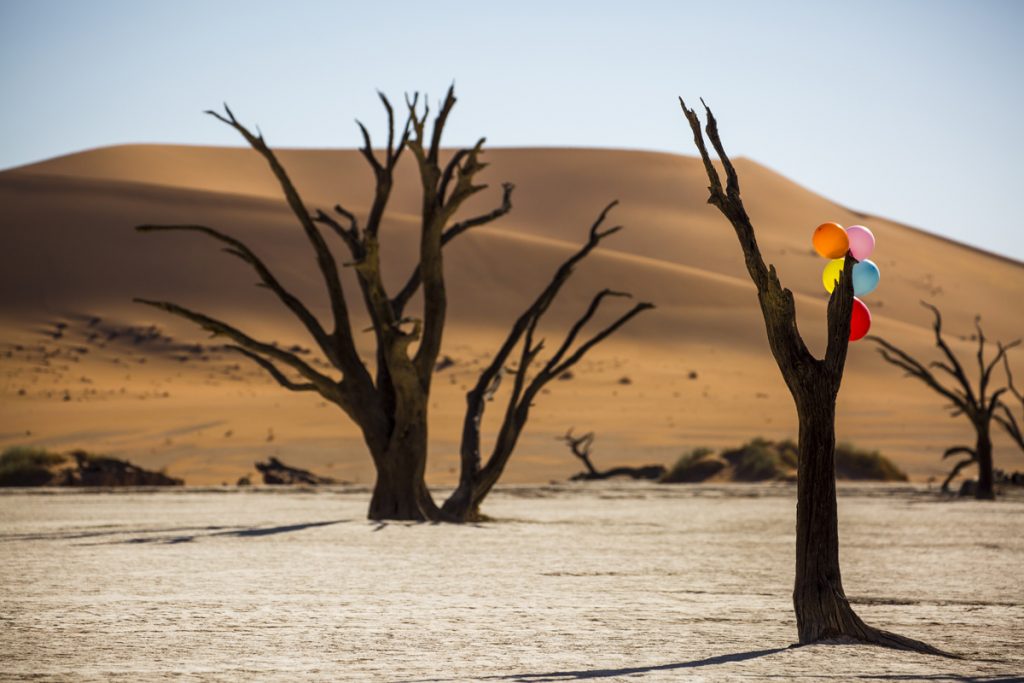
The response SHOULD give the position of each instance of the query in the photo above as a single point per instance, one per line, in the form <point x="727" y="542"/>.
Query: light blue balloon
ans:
<point x="865" y="277"/>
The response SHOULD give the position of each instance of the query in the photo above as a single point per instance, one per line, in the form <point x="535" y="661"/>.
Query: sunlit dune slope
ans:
<point x="70" y="257"/>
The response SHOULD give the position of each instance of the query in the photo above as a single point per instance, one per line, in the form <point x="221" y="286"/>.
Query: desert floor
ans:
<point x="569" y="582"/>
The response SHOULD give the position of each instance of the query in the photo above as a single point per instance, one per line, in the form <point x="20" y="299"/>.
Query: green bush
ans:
<point x="692" y="467"/>
<point x="763" y="460"/>
<point x="757" y="460"/>
<point x="852" y="463"/>
<point x="27" y="466"/>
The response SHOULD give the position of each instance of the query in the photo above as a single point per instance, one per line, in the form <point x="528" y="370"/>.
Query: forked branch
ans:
<point x="399" y="302"/>
<point x="342" y="334"/>
<point x="267" y="279"/>
<point x="580" y="447"/>
<point x="525" y="389"/>
<point x="273" y="370"/>
<point x="324" y="384"/>
<point x="1007" y="419"/>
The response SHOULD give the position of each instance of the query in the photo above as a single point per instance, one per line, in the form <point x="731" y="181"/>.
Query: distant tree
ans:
<point x="580" y="448"/>
<point x="390" y="405"/>
<point x="977" y="405"/>
<point x="822" y="609"/>
<point x="1006" y="418"/>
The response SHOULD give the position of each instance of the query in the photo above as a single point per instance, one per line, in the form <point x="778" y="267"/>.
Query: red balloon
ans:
<point x="860" y="320"/>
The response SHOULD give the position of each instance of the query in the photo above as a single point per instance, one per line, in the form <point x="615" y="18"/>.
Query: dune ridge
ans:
<point x="70" y="249"/>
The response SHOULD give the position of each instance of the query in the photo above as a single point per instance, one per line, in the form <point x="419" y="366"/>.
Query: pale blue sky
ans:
<point x="910" y="110"/>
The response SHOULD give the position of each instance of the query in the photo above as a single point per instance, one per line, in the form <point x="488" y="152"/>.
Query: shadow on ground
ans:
<point x="588" y="674"/>
<point x="239" y="532"/>
<point x="629" y="671"/>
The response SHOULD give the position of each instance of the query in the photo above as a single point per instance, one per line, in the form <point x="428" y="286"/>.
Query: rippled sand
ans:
<point x="570" y="582"/>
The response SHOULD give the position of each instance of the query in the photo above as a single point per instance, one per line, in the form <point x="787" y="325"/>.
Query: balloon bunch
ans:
<point x="831" y="241"/>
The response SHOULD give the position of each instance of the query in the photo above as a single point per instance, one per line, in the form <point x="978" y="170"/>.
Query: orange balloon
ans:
<point x="830" y="241"/>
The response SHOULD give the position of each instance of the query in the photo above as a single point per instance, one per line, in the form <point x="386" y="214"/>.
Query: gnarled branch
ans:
<point x="342" y="334"/>
<point x="478" y="477"/>
<point x="1007" y="419"/>
<point x="901" y="359"/>
<point x="273" y="370"/>
<point x="324" y="384"/>
<point x="239" y="249"/>
<point x="399" y="302"/>
<point x="777" y="303"/>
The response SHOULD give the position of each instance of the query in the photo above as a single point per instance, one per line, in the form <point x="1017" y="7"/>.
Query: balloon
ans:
<point x="830" y="240"/>
<point x="831" y="274"/>
<point x="860" y="320"/>
<point x="865" y="277"/>
<point x="862" y="241"/>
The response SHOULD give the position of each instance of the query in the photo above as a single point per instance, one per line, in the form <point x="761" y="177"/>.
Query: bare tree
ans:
<point x="977" y="405"/>
<point x="580" y="447"/>
<point x="476" y="477"/>
<point x="390" y="405"/>
<point x="1007" y="419"/>
<point x="822" y="609"/>
<point x="967" y="462"/>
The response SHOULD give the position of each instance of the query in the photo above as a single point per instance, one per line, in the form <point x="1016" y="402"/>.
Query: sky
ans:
<point x="905" y="109"/>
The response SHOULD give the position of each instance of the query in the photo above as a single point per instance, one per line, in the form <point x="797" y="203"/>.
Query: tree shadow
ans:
<point x="629" y="671"/>
<point x="953" y="678"/>
<point x="250" y="532"/>
<point x="586" y="674"/>
<point x="113" y="531"/>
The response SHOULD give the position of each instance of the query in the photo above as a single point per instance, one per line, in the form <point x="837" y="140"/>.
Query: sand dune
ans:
<point x="70" y="255"/>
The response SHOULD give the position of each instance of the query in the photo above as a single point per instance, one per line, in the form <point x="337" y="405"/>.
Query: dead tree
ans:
<point x="477" y="478"/>
<point x="977" y="405"/>
<point x="390" y="404"/>
<point x="967" y="462"/>
<point x="1006" y="418"/>
<point x="822" y="609"/>
<point x="580" y="447"/>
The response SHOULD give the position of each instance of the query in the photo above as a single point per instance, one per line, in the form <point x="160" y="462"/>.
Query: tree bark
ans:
<point x="983" y="451"/>
<point x="822" y="610"/>
<point x="400" y="491"/>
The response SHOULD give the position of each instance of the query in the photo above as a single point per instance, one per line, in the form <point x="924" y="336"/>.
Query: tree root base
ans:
<point x="873" y="636"/>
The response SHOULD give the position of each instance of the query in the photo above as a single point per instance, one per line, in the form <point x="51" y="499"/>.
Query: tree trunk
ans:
<point x="461" y="506"/>
<point x="822" y="610"/>
<point x="983" y="449"/>
<point x="400" y="492"/>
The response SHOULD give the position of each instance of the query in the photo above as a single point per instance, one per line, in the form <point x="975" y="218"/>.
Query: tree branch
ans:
<point x="516" y="409"/>
<point x="342" y="334"/>
<point x="580" y="447"/>
<point x="243" y="252"/>
<point x="328" y="387"/>
<point x="483" y="219"/>
<point x="777" y="303"/>
<point x="273" y="370"/>
<point x="597" y="338"/>
<point x="956" y="370"/>
<point x="401" y="300"/>
<point x="986" y="371"/>
<point x="901" y="359"/>
<point x="840" y="312"/>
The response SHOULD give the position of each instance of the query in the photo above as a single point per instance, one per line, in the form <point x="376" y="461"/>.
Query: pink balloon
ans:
<point x="862" y="241"/>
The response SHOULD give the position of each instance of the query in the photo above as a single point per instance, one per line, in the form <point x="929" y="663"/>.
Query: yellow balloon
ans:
<point x="831" y="273"/>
